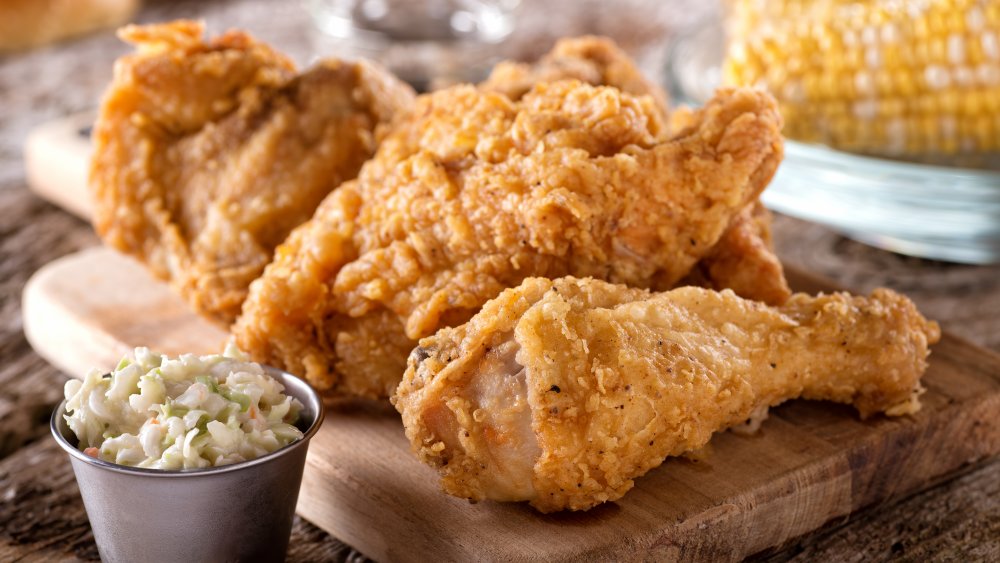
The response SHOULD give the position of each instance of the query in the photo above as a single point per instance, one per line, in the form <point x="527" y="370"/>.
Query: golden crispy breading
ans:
<point x="562" y="392"/>
<point x="207" y="154"/>
<point x="744" y="260"/>
<point x="475" y="192"/>
<point x="593" y="60"/>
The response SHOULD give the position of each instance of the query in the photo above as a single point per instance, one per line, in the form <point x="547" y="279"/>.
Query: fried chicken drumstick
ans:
<point x="562" y="392"/>
<point x="207" y="154"/>
<point x="474" y="192"/>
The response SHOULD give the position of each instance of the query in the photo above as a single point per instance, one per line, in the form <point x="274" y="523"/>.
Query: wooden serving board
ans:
<point x="810" y="463"/>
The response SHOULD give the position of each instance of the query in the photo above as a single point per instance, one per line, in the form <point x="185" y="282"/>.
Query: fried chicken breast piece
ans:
<point x="561" y="393"/>
<point x="744" y="258"/>
<point x="475" y="192"/>
<point x="589" y="59"/>
<point x="208" y="153"/>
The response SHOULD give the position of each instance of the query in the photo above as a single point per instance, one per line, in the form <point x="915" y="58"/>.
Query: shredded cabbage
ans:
<point x="181" y="413"/>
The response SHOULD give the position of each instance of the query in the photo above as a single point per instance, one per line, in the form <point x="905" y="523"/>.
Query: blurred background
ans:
<point x="892" y="107"/>
<point x="396" y="32"/>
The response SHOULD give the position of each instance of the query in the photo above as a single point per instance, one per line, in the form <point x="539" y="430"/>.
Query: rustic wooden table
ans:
<point x="41" y="514"/>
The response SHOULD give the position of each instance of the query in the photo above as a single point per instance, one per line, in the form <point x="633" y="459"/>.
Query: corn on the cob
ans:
<point x="907" y="78"/>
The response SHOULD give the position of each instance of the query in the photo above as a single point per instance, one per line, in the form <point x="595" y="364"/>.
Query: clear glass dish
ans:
<point x="427" y="43"/>
<point x="944" y="213"/>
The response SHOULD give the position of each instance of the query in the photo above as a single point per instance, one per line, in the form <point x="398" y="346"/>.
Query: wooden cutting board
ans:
<point x="810" y="463"/>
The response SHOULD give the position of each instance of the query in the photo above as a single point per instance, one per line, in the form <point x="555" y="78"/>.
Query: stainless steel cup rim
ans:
<point x="294" y="386"/>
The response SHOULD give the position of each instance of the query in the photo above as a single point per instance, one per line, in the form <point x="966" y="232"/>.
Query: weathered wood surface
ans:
<point x="41" y="515"/>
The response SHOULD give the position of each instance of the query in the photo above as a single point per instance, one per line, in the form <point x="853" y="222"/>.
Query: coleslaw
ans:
<point x="181" y="413"/>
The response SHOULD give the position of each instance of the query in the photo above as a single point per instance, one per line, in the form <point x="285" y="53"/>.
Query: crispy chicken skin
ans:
<point x="475" y="192"/>
<point x="208" y="153"/>
<point x="589" y="59"/>
<point x="562" y="392"/>
<point x="744" y="258"/>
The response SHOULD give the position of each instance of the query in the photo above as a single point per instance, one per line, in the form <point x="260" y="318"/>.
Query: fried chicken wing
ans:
<point x="474" y="193"/>
<point x="589" y="59"/>
<point x="744" y="259"/>
<point x="562" y="392"/>
<point x="207" y="154"/>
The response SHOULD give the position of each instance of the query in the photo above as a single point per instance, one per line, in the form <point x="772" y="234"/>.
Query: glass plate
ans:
<point x="921" y="210"/>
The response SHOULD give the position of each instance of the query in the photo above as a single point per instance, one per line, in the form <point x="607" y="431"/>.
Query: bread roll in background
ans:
<point x="29" y="23"/>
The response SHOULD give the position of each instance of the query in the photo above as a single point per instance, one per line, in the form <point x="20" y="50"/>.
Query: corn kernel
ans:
<point x="880" y="76"/>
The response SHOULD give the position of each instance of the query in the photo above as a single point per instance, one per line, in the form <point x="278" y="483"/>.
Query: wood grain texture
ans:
<point x="109" y="304"/>
<point x="56" y="162"/>
<point x="811" y="463"/>
<point x="955" y="520"/>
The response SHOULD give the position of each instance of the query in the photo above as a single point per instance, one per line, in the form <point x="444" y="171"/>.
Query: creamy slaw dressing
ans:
<point x="181" y="413"/>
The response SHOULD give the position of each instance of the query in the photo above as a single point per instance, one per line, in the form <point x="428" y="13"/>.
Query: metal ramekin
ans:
<point x="238" y="512"/>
